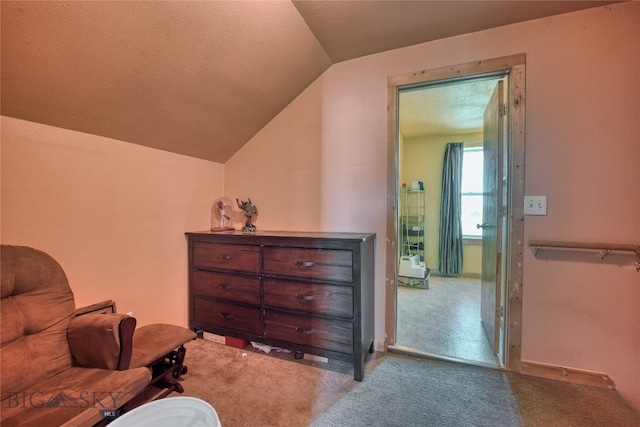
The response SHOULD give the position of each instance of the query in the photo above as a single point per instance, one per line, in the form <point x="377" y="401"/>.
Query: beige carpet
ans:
<point x="251" y="388"/>
<point x="405" y="392"/>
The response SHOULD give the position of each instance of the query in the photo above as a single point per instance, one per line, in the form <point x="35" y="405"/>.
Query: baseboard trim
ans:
<point x="571" y="375"/>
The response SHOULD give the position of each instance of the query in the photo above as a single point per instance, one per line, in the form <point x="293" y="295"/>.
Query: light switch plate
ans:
<point x="535" y="205"/>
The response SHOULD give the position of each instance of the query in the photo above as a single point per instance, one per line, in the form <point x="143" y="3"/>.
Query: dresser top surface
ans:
<point x="286" y="234"/>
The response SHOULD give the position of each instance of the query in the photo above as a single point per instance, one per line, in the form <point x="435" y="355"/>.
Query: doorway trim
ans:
<point x="514" y="65"/>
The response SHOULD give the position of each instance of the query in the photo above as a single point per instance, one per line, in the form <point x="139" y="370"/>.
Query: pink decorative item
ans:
<point x="220" y="213"/>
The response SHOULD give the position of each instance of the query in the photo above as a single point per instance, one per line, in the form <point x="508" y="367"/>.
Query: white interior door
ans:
<point x="492" y="216"/>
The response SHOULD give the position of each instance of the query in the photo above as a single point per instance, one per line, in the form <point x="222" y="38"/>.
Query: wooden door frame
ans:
<point x="515" y="139"/>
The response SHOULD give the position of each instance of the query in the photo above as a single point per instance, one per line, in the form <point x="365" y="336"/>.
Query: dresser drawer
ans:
<point x="332" y="335"/>
<point x="220" y="256"/>
<point x="321" y="264"/>
<point x="230" y="316"/>
<point x="331" y="300"/>
<point x="225" y="286"/>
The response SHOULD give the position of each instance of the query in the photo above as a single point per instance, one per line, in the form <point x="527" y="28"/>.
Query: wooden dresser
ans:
<point x="308" y="292"/>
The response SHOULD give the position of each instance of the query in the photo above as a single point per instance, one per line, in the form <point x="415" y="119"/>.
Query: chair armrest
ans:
<point x="102" y="340"/>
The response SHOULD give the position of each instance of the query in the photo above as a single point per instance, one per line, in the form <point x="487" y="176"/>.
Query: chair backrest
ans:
<point x="36" y="308"/>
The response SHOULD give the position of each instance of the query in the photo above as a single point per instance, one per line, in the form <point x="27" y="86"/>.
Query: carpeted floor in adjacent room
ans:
<point x="250" y="388"/>
<point x="444" y="319"/>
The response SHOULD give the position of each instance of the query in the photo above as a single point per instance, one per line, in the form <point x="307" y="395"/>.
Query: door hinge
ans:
<point x="500" y="311"/>
<point x="502" y="110"/>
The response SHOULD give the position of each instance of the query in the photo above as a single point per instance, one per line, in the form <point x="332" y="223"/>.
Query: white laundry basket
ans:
<point x="170" y="412"/>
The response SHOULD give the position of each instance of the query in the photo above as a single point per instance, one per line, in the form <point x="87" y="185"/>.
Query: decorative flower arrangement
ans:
<point x="221" y="210"/>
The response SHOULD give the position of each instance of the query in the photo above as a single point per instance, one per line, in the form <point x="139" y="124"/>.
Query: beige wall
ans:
<point x="421" y="160"/>
<point x="280" y="169"/>
<point x="113" y="214"/>
<point x="582" y="151"/>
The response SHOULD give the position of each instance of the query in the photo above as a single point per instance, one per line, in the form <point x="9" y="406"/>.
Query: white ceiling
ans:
<point x="444" y="110"/>
<point x="201" y="78"/>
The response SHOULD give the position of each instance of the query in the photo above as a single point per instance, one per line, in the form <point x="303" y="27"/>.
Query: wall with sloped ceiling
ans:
<point x="113" y="214"/>
<point x="328" y="151"/>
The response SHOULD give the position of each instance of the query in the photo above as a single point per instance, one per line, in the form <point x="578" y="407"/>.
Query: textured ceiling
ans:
<point x="444" y="110"/>
<point x="200" y="78"/>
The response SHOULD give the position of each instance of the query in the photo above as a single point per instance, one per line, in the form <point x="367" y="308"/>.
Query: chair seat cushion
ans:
<point x="153" y="342"/>
<point x="73" y="397"/>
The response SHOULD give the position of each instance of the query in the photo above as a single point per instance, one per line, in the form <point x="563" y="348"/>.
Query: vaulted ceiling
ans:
<point x="201" y="78"/>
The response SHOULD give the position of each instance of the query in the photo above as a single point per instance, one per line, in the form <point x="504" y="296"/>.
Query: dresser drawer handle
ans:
<point x="305" y="263"/>
<point x="305" y="297"/>
<point x="224" y="287"/>
<point x="226" y="316"/>
<point x="304" y="331"/>
<point x="225" y="257"/>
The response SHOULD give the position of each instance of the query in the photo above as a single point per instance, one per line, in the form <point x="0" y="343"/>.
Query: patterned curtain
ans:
<point x="450" y="211"/>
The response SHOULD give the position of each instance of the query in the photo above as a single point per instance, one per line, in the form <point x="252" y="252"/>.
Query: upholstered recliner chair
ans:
<point x="58" y="369"/>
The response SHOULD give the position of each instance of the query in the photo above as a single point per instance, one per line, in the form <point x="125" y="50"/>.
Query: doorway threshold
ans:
<point x="408" y="351"/>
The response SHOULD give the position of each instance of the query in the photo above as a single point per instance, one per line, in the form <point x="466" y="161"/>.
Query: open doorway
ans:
<point x="489" y="335"/>
<point x="440" y="305"/>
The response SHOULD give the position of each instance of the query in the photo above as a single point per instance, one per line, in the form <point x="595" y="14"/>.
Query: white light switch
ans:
<point x="535" y="205"/>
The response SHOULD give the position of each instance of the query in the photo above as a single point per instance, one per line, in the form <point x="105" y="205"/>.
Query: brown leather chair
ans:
<point x="58" y="369"/>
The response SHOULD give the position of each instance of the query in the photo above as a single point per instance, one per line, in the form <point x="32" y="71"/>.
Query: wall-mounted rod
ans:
<point x="603" y="248"/>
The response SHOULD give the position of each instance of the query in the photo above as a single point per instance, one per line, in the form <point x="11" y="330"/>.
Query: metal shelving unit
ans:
<point x="413" y="223"/>
<point x="412" y="246"/>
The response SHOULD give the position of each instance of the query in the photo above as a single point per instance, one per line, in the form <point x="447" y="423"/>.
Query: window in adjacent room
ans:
<point x="472" y="192"/>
